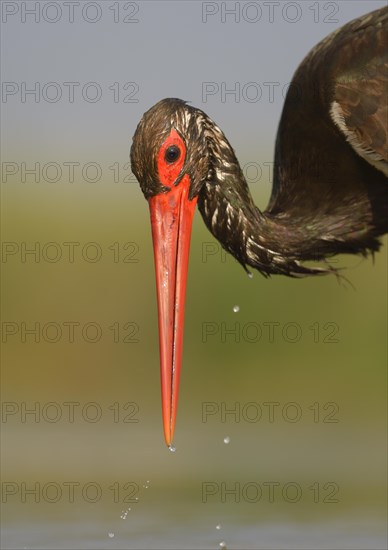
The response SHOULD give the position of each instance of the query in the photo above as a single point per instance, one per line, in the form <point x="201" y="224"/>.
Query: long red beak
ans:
<point x="171" y="219"/>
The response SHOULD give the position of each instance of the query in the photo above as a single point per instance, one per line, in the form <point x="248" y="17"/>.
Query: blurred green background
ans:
<point x="333" y="374"/>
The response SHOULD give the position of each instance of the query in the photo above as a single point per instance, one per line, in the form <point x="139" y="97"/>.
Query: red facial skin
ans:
<point x="171" y="220"/>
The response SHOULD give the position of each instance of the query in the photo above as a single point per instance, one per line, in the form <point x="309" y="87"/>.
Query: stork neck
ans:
<point x="271" y="244"/>
<point x="227" y="207"/>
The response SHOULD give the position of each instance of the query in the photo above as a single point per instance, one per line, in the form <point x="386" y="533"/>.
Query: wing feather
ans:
<point x="359" y="110"/>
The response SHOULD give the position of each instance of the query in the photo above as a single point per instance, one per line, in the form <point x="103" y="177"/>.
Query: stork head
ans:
<point x="170" y="143"/>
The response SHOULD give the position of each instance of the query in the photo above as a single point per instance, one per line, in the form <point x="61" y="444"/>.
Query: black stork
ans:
<point x="330" y="185"/>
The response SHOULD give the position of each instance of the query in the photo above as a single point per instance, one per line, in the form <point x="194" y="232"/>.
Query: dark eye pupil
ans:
<point x="172" y="154"/>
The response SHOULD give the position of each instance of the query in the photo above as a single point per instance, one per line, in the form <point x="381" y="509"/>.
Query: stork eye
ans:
<point x="172" y="154"/>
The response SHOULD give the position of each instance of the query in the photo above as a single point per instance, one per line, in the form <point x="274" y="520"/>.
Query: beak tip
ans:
<point x="168" y="439"/>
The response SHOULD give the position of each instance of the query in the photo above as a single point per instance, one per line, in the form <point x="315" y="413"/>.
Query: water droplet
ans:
<point x="226" y="440"/>
<point x="172" y="448"/>
<point x="250" y="275"/>
<point x="236" y="309"/>
<point x="124" y="513"/>
<point x="218" y="526"/>
<point x="111" y="535"/>
<point x="223" y="544"/>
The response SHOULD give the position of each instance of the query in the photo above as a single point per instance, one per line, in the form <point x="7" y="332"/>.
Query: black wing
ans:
<point x="330" y="183"/>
